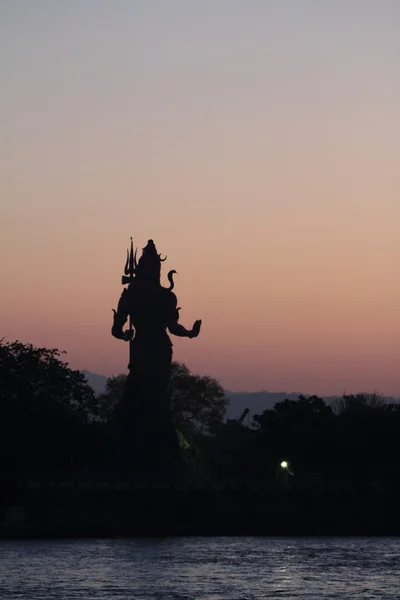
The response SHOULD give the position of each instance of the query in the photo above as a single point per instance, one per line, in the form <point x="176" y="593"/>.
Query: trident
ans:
<point x="130" y="265"/>
<point x="129" y="270"/>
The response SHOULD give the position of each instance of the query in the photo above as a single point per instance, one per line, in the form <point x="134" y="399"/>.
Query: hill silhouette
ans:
<point x="256" y="402"/>
<point x="96" y="381"/>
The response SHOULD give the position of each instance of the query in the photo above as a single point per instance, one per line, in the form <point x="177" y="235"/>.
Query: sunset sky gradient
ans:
<point x="257" y="142"/>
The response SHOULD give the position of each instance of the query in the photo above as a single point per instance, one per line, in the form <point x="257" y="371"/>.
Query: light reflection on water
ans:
<point x="200" y="569"/>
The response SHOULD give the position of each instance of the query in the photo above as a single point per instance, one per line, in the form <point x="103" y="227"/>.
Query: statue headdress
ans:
<point x="149" y="264"/>
<point x="148" y="267"/>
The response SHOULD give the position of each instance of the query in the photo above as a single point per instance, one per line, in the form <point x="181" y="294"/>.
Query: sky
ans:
<point x="257" y="142"/>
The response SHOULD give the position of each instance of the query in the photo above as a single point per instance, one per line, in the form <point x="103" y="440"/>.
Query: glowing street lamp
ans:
<point x="283" y="471"/>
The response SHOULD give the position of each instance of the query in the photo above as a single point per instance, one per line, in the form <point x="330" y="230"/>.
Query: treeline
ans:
<point x="51" y="420"/>
<point x="355" y="442"/>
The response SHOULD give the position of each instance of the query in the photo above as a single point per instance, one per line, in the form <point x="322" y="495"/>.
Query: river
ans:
<point x="248" y="568"/>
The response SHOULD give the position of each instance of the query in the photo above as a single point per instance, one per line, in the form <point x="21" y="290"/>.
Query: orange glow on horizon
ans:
<point x="261" y="157"/>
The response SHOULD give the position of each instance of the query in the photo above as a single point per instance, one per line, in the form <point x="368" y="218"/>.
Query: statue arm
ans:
<point x="181" y="331"/>
<point x="176" y="328"/>
<point x="120" y="317"/>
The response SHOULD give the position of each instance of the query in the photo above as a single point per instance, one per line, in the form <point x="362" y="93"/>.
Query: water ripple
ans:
<point x="200" y="569"/>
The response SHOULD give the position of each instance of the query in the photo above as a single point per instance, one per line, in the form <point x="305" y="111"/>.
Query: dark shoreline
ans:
<point x="127" y="509"/>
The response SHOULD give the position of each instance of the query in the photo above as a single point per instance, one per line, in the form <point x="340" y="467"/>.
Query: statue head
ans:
<point x="149" y="266"/>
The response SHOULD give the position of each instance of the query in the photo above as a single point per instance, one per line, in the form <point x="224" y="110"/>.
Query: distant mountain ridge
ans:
<point x="256" y="402"/>
<point x="97" y="382"/>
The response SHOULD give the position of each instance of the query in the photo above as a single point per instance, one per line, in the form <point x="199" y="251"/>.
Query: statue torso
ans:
<point x="151" y="308"/>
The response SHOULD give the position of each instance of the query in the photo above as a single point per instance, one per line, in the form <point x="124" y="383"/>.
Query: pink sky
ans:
<point x="257" y="145"/>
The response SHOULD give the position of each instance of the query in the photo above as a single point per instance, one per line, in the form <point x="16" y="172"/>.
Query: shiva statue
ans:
<point x="152" y="310"/>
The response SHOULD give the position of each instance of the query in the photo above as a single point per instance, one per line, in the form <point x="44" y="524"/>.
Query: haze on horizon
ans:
<point x="256" y="142"/>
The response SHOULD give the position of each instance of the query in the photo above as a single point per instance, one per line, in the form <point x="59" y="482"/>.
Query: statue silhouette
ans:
<point x="144" y="421"/>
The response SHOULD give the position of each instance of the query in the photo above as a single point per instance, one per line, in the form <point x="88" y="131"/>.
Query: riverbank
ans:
<point x="134" y="508"/>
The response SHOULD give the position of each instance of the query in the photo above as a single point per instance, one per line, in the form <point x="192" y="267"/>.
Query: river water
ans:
<point x="200" y="569"/>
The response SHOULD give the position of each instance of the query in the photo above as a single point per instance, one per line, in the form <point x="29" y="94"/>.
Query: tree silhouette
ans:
<point x="359" y="404"/>
<point x="300" y="429"/>
<point x="43" y="405"/>
<point x="198" y="402"/>
<point x="110" y="398"/>
<point x="50" y="419"/>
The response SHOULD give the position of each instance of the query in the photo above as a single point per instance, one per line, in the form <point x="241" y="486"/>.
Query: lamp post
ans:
<point x="283" y="471"/>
